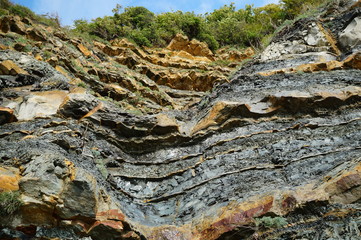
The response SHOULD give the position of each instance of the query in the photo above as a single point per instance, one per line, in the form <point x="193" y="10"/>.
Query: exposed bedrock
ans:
<point x="275" y="153"/>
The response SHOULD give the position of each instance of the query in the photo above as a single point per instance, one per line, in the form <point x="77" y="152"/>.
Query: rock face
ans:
<point x="350" y="37"/>
<point x="272" y="154"/>
<point x="193" y="47"/>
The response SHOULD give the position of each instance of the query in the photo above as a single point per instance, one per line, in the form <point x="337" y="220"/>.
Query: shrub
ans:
<point x="5" y="4"/>
<point x="9" y="203"/>
<point x="3" y="12"/>
<point x="139" y="38"/>
<point x="271" y="222"/>
<point x="22" y="11"/>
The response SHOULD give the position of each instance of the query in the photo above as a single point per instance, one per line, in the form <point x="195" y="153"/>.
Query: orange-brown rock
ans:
<point x="36" y="35"/>
<point x="8" y="67"/>
<point x="224" y="110"/>
<point x="107" y="229"/>
<point x="3" y="47"/>
<point x="41" y="104"/>
<point x="7" y="115"/>
<point x="112" y="214"/>
<point x="309" y="68"/>
<point x="112" y="51"/>
<point x="84" y="50"/>
<point x="117" y="92"/>
<point x="63" y="71"/>
<point x="345" y="188"/>
<point x="235" y="55"/>
<point x="218" y="114"/>
<point x="242" y="214"/>
<point x="353" y="61"/>
<point x="194" y="47"/>
<point x="35" y="211"/>
<point x="38" y="57"/>
<point x="9" y="179"/>
<point x="124" y="43"/>
<point x="13" y="24"/>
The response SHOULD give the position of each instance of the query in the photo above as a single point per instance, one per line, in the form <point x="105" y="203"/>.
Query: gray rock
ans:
<point x="80" y="197"/>
<point x="315" y="36"/>
<point x="350" y="37"/>
<point x="48" y="77"/>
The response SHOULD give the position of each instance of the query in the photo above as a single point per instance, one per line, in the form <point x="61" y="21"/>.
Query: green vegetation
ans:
<point x="9" y="203"/>
<point x="99" y="162"/>
<point x="226" y="26"/>
<point x="9" y="8"/>
<point x="271" y="222"/>
<point x="82" y="84"/>
<point x="222" y="27"/>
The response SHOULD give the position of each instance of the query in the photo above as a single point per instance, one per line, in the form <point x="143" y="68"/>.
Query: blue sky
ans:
<point x="70" y="10"/>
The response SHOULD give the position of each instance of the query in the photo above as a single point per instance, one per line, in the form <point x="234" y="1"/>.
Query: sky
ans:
<point x="70" y="10"/>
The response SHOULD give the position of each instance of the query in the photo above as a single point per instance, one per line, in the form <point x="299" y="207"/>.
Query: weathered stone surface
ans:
<point x="13" y="24"/>
<point x="194" y="47"/>
<point x="284" y="145"/>
<point x="353" y="61"/>
<point x="236" y="55"/>
<point x="351" y="36"/>
<point x="124" y="43"/>
<point x="76" y="105"/>
<point x="315" y="36"/>
<point x="9" y="179"/>
<point x="7" y="115"/>
<point x="36" y="35"/>
<point x="8" y="67"/>
<point x="40" y="104"/>
<point x="80" y="197"/>
<point x="84" y="50"/>
<point x="41" y="72"/>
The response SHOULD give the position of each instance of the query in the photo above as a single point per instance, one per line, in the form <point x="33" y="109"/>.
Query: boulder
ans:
<point x="351" y="35"/>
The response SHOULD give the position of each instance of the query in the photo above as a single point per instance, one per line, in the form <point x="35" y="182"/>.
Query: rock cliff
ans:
<point x="110" y="141"/>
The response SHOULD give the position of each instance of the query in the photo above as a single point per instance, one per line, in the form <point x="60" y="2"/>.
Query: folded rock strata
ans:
<point x="280" y="140"/>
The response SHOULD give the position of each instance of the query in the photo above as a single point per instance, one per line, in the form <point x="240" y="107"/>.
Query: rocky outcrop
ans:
<point x="272" y="154"/>
<point x="193" y="47"/>
<point x="351" y="35"/>
<point x="8" y="67"/>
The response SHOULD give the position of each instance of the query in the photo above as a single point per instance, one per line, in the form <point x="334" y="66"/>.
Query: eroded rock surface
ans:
<point x="281" y="139"/>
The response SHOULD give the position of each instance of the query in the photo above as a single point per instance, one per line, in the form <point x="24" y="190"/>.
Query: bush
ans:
<point x="210" y="40"/>
<point x="3" y="12"/>
<point x="249" y="27"/>
<point x="271" y="222"/>
<point x="22" y="11"/>
<point x="9" y="203"/>
<point x="5" y="4"/>
<point x="139" y="38"/>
